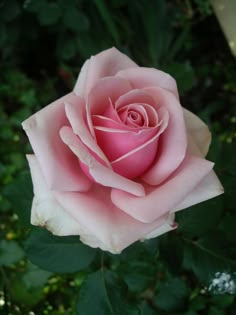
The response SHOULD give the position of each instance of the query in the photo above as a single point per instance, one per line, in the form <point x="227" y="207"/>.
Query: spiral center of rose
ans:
<point x="132" y="116"/>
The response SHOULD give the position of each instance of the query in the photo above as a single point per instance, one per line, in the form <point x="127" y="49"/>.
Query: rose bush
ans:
<point x="117" y="157"/>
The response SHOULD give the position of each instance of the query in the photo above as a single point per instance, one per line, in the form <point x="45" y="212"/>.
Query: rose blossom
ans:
<point x="117" y="157"/>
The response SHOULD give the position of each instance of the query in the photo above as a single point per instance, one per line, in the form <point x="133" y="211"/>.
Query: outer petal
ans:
<point x="208" y="188"/>
<point x="110" y="225"/>
<point x="99" y="172"/>
<point x="198" y="130"/>
<point x="90" y="215"/>
<point x="164" y="198"/>
<point x="59" y="165"/>
<point x="169" y="225"/>
<point x="141" y="77"/>
<point x="46" y="211"/>
<point x="173" y="142"/>
<point x="106" y="63"/>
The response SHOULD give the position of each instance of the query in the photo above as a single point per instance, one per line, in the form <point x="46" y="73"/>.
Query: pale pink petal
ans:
<point x="141" y="77"/>
<point x="46" y="211"/>
<point x="161" y="200"/>
<point x="198" y="130"/>
<point x="59" y="165"/>
<point x="90" y="215"/>
<point x="105" y="92"/>
<point x="107" y="63"/>
<point x="169" y="225"/>
<point x="111" y="113"/>
<point x="112" y="227"/>
<point x="148" y="113"/>
<point x="208" y="188"/>
<point x="135" y="162"/>
<point x="172" y="143"/>
<point x="75" y="112"/>
<point x="80" y="86"/>
<point x="101" y="174"/>
<point x="104" y="123"/>
<point x="116" y="143"/>
<point x="134" y="96"/>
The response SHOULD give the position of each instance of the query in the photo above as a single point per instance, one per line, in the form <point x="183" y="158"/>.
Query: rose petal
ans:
<point x="208" y="188"/>
<point x="104" y="64"/>
<point x="134" y="96"/>
<point x="59" y="166"/>
<point x="99" y="172"/>
<point x="173" y="142"/>
<point x="105" y="92"/>
<point x="166" y="197"/>
<point x="75" y="112"/>
<point x="116" y="143"/>
<point x="80" y="86"/>
<point x="141" y="77"/>
<point x="112" y="227"/>
<point x="135" y="162"/>
<point x="46" y="211"/>
<point x="105" y="123"/>
<point x="169" y="225"/>
<point x="198" y="130"/>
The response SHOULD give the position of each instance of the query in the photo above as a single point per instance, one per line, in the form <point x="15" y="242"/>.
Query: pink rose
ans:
<point x="117" y="157"/>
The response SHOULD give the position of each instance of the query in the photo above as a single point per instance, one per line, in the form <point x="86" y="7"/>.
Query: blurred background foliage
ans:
<point x="190" y="271"/>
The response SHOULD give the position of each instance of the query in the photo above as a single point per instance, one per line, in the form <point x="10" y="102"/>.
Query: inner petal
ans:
<point x="134" y="115"/>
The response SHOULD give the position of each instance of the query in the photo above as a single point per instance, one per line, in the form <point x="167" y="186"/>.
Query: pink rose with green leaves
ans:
<point x="117" y="157"/>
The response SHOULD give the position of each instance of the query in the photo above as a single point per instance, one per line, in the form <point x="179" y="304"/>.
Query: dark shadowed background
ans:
<point x="189" y="271"/>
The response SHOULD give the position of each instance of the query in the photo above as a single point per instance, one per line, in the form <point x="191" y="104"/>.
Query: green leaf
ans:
<point x="27" y="287"/>
<point x="184" y="75"/>
<point x="11" y="9"/>
<point x="49" y="14"/>
<point x="208" y="255"/>
<point x="156" y="26"/>
<point x="108" y="20"/>
<point x="191" y="313"/>
<point x="228" y="224"/>
<point x="108" y="296"/>
<point x="67" y="48"/>
<point x="75" y="20"/>
<point x="58" y="253"/>
<point x="171" y="295"/>
<point x="223" y="300"/>
<point x="228" y="165"/>
<point x="229" y="184"/>
<point x="34" y="5"/>
<point x="201" y="218"/>
<point x="215" y="311"/>
<point x="198" y="303"/>
<point x="171" y="251"/>
<point x="20" y="194"/>
<point x="10" y="253"/>
<point x="137" y="275"/>
<point x="23" y="294"/>
<point x="35" y="277"/>
<point x="145" y="309"/>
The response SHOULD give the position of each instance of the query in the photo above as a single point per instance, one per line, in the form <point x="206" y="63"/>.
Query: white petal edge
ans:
<point x="198" y="130"/>
<point x="169" y="225"/>
<point x="101" y="174"/>
<point x="48" y="213"/>
<point x="208" y="188"/>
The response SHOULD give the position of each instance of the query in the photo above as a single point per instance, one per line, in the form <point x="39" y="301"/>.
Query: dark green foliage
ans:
<point x="108" y="294"/>
<point x="43" y="44"/>
<point x="58" y="254"/>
